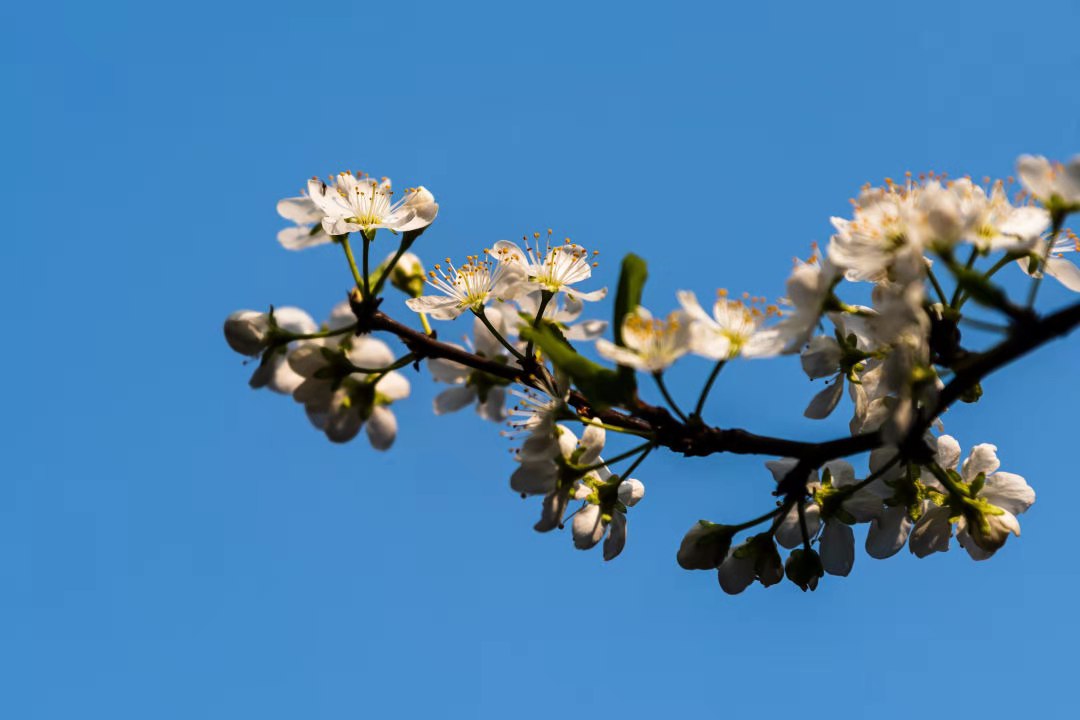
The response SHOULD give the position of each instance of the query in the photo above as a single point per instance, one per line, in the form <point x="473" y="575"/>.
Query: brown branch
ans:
<point x="696" y="439"/>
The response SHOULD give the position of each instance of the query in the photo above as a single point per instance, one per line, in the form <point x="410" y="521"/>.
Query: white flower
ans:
<point x="731" y="331"/>
<point x="704" y="546"/>
<point x="470" y="286"/>
<point x="308" y="231"/>
<point x="789" y="531"/>
<point x="554" y="270"/>
<point x="841" y="506"/>
<point x="358" y="203"/>
<point x="839" y="357"/>
<point x="1057" y="266"/>
<point x="866" y="245"/>
<point x="339" y="400"/>
<point x="489" y="393"/>
<point x="755" y="559"/>
<point x="251" y="333"/>
<point x="651" y="344"/>
<point x="985" y="506"/>
<point x="563" y="310"/>
<point x="247" y="331"/>
<point x="809" y="292"/>
<point x="605" y="512"/>
<point x="1053" y="183"/>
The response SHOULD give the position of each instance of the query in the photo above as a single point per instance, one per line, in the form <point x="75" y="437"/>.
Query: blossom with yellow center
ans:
<point x="359" y="203"/>
<point x="651" y="344"/>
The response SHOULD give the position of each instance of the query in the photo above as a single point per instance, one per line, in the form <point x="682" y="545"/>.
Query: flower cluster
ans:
<point x="916" y="259"/>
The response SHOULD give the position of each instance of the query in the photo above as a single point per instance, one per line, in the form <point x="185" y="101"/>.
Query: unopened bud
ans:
<point x="247" y="332"/>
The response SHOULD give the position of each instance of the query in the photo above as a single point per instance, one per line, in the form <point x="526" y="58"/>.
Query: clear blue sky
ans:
<point x="174" y="545"/>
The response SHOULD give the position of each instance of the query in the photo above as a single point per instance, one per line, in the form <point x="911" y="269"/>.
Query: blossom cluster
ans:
<point x="523" y="364"/>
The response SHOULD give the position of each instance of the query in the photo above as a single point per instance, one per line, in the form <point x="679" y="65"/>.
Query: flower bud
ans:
<point x="804" y="568"/>
<point x="704" y="546"/>
<point x="247" y="331"/>
<point x="408" y="275"/>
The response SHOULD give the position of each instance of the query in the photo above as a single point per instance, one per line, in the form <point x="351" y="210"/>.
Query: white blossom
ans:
<point x="651" y="344"/>
<point x="308" y="230"/>
<point x="1051" y="182"/>
<point x="732" y="330"/>
<point x="470" y="286"/>
<point x="555" y="269"/>
<point x="474" y="386"/>
<point x="340" y="400"/>
<point x="358" y="203"/>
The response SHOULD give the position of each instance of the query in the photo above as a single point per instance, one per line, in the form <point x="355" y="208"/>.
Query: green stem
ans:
<point x="634" y="465"/>
<point x="367" y="288"/>
<point x="379" y="372"/>
<point x="756" y="521"/>
<point x="802" y="525"/>
<point x="315" y="335"/>
<point x="1008" y="258"/>
<point x="425" y="323"/>
<point x="659" y="377"/>
<point x="352" y="262"/>
<point x="937" y="285"/>
<point x="1037" y="280"/>
<point x="621" y="456"/>
<point x="402" y="248"/>
<point x="545" y="298"/>
<point x="606" y="426"/>
<point x="959" y="290"/>
<point x="708" y="387"/>
<point x="495" y="333"/>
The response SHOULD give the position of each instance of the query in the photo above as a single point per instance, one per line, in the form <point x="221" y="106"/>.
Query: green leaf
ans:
<point x="632" y="279"/>
<point x="628" y="296"/>
<point x="603" y="387"/>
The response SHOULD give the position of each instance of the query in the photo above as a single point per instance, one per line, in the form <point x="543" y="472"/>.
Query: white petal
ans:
<point x="931" y="534"/>
<point x="448" y="371"/>
<point x="381" y="428"/>
<point x="888" y="533"/>
<point x="620" y="355"/>
<point x="534" y="477"/>
<point x="301" y="238"/>
<point x="367" y="352"/>
<point x="393" y="386"/>
<point x="631" y="492"/>
<point x="592" y="440"/>
<point x="453" y="399"/>
<point x="837" y="548"/>
<point x="983" y="459"/>
<point x="1064" y="272"/>
<point x="616" y="539"/>
<point x="438" y="307"/>
<point x="822" y="405"/>
<point x="587" y="527"/>
<point x="948" y="452"/>
<point x="1009" y="492"/>
<point x="735" y="574"/>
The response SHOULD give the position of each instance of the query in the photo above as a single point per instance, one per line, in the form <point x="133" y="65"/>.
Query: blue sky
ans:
<point x="174" y="545"/>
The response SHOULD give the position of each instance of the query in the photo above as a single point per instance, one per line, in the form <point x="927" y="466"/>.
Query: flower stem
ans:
<point x="959" y="289"/>
<point x="634" y="465"/>
<point x="659" y="377"/>
<point x="352" y="263"/>
<point x="545" y="298"/>
<point x="315" y="335"/>
<point x="402" y="248"/>
<point x="937" y="285"/>
<point x="644" y="447"/>
<point x="367" y="287"/>
<point x="1008" y="258"/>
<point x="482" y="314"/>
<point x="708" y="387"/>
<point x="1059" y="218"/>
